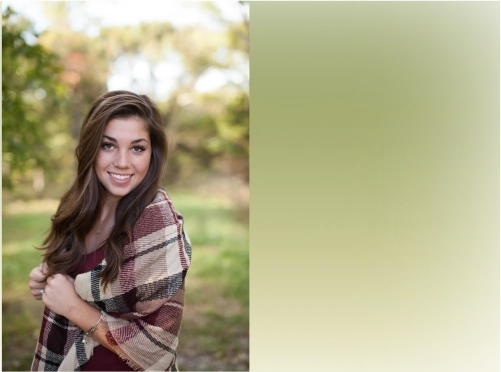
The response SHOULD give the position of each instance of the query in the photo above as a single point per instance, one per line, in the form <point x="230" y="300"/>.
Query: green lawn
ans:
<point x="215" y="328"/>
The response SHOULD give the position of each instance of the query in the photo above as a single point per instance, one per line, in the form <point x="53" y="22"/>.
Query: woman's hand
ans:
<point x="60" y="295"/>
<point x="36" y="281"/>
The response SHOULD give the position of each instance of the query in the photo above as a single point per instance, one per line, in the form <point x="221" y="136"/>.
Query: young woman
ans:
<point x="115" y="259"/>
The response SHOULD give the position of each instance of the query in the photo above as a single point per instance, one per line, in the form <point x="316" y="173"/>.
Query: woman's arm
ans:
<point x="61" y="298"/>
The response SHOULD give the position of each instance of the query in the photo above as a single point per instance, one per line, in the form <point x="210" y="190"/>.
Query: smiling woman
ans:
<point x="116" y="257"/>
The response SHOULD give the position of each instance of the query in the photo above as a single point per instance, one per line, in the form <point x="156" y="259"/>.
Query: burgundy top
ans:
<point x="102" y="359"/>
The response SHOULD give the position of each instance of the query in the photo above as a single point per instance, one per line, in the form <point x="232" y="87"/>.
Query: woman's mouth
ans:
<point x="120" y="177"/>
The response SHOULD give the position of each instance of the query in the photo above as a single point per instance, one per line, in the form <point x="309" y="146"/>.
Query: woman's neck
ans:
<point x="106" y="219"/>
<point x="102" y="227"/>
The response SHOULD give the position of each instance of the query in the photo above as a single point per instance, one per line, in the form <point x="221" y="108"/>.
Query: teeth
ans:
<point x="120" y="177"/>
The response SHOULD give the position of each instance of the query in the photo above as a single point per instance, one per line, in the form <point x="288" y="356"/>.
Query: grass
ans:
<point x="215" y="329"/>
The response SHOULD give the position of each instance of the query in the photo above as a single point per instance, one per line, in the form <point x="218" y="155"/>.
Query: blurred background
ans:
<point x="192" y="59"/>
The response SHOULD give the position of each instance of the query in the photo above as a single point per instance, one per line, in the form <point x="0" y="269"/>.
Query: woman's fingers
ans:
<point x="59" y="294"/>
<point x="38" y="284"/>
<point x="37" y="293"/>
<point x="36" y="274"/>
<point x="36" y="281"/>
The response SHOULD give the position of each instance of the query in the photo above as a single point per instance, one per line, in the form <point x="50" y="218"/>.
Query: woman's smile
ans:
<point x="120" y="177"/>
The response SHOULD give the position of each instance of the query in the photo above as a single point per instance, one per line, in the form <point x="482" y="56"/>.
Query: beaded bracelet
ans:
<point x="92" y="330"/>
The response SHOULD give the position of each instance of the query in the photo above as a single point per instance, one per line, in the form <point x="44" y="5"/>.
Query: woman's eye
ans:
<point x="138" y="149"/>
<point x="107" y="146"/>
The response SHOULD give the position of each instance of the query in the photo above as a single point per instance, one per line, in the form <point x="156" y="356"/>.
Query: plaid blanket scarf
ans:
<point x="143" y="307"/>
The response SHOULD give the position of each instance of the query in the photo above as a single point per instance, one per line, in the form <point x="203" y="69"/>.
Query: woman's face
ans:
<point x="124" y="157"/>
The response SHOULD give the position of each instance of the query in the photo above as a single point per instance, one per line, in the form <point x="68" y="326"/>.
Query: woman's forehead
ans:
<point x="127" y="128"/>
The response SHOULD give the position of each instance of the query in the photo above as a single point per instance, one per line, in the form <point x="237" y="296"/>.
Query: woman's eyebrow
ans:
<point x="139" y="140"/>
<point x="109" y="138"/>
<point x="132" y="142"/>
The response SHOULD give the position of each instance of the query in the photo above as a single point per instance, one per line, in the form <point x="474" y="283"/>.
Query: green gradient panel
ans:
<point x="375" y="186"/>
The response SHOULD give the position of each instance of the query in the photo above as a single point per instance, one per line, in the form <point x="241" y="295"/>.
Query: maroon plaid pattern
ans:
<point x="143" y="307"/>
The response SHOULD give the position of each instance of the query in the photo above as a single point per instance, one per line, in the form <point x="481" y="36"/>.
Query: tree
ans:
<point x="29" y="74"/>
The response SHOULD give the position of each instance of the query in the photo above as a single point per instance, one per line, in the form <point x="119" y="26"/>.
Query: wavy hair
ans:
<point x="81" y="205"/>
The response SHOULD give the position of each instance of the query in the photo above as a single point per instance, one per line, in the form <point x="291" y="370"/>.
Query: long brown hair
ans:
<point x="81" y="205"/>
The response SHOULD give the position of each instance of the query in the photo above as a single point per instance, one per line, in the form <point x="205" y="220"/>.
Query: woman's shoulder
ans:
<point x="159" y="221"/>
<point x="161" y="210"/>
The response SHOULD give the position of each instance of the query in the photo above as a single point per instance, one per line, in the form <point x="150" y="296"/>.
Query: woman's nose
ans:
<point x="122" y="159"/>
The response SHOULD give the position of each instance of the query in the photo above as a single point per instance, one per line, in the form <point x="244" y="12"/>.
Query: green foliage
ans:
<point x="148" y="39"/>
<point x="85" y="67"/>
<point x="28" y="72"/>
<point x="233" y="126"/>
<point x="213" y="136"/>
<point x="50" y="81"/>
